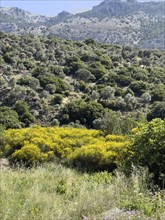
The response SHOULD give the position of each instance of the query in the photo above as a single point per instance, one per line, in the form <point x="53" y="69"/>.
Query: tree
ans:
<point x="57" y="99"/>
<point x="60" y="85"/>
<point x="86" y="113"/>
<point x="32" y="82"/>
<point x="158" y="93"/>
<point x="131" y="101"/>
<point x="146" y="98"/>
<point x="25" y="116"/>
<point x="107" y="93"/>
<point x="138" y="87"/>
<point x="17" y="93"/>
<point x="73" y="64"/>
<point x="97" y="69"/>
<point x="85" y="75"/>
<point x="51" y="88"/>
<point x="109" y="123"/>
<point x="157" y="111"/>
<point x="95" y="95"/>
<point x="9" y="118"/>
<point x="149" y="147"/>
<point x="90" y="41"/>
<point x="114" y="123"/>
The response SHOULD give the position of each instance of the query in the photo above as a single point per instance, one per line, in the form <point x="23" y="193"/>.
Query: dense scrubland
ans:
<point x="48" y="81"/>
<point x="82" y="125"/>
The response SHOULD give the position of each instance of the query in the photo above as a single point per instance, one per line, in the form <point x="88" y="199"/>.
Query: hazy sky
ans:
<point x="53" y="7"/>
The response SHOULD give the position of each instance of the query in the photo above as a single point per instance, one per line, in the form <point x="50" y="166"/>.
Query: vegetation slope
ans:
<point x="118" y="90"/>
<point x="48" y="81"/>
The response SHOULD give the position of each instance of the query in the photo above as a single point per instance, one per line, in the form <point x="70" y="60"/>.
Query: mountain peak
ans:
<point x="14" y="10"/>
<point x="64" y="13"/>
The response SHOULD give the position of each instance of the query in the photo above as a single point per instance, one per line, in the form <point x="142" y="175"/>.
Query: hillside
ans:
<point x="130" y="22"/>
<point x="48" y="81"/>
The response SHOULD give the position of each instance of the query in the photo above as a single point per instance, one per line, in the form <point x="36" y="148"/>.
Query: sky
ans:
<point x="51" y="7"/>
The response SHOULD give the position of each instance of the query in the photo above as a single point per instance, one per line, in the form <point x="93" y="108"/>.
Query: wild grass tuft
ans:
<point x="52" y="191"/>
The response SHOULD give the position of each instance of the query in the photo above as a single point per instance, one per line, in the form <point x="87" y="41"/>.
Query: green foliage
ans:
<point x="89" y="41"/>
<point x="8" y="58"/>
<point x="85" y="75"/>
<point x="9" y="118"/>
<point x="157" y="111"/>
<point x="21" y="107"/>
<point x="50" y="79"/>
<point x="86" y="113"/>
<point x="138" y="87"/>
<point x="25" y="116"/>
<point x="2" y="139"/>
<point x="32" y="82"/>
<point x="57" y="99"/>
<point x="97" y="69"/>
<point x="158" y="93"/>
<point x="73" y="64"/>
<point x="38" y="69"/>
<point x="123" y="80"/>
<point x="114" y="123"/>
<point x="52" y="191"/>
<point x="149" y="147"/>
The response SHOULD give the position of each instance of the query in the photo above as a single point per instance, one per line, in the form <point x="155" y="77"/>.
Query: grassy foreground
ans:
<point x="52" y="191"/>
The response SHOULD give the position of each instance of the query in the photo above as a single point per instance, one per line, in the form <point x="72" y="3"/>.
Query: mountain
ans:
<point x="118" y="8"/>
<point x="139" y="24"/>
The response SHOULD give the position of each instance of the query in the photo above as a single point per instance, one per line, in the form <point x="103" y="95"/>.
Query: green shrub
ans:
<point x="149" y="147"/>
<point x="157" y="111"/>
<point x="9" y="118"/>
<point x="25" y="116"/>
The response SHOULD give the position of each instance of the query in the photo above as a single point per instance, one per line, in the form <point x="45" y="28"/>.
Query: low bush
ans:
<point x="149" y="148"/>
<point x="88" y="148"/>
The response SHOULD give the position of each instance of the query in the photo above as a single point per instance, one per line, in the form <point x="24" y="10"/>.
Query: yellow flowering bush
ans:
<point x="88" y="148"/>
<point x="117" y="138"/>
<point x="28" y="154"/>
<point x="98" y="156"/>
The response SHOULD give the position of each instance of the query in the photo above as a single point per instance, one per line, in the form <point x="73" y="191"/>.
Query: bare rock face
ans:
<point x="8" y="27"/>
<point x="4" y="163"/>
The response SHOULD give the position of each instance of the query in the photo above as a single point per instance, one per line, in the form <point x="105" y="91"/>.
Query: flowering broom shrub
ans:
<point x="99" y="156"/>
<point x="28" y="154"/>
<point x="87" y="148"/>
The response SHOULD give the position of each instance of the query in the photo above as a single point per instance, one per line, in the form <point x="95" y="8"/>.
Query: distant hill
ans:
<point x="133" y="23"/>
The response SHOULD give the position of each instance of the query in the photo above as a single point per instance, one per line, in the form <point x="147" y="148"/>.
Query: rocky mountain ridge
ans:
<point x="139" y="24"/>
